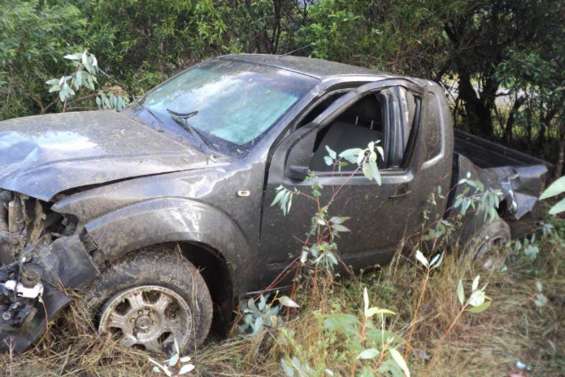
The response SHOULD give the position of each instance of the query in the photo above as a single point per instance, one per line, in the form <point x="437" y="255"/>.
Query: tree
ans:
<point x="395" y="36"/>
<point x="483" y="35"/>
<point x="535" y="75"/>
<point x="34" y="36"/>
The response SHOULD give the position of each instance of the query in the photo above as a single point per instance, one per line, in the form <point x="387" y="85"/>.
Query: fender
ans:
<point x="174" y="219"/>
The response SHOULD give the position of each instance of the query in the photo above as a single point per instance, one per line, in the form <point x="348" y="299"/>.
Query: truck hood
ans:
<point x="41" y="156"/>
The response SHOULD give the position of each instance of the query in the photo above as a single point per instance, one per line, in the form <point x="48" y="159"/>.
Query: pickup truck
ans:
<point x="161" y="214"/>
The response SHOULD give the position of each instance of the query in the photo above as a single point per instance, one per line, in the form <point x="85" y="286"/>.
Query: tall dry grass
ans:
<point x="513" y="329"/>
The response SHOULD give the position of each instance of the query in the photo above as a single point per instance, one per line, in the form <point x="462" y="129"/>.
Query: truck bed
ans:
<point x="488" y="154"/>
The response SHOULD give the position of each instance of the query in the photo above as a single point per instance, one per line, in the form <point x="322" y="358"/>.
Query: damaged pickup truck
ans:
<point x="161" y="215"/>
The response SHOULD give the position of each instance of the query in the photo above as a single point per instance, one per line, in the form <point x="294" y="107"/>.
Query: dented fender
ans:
<point x="520" y="187"/>
<point x="162" y="220"/>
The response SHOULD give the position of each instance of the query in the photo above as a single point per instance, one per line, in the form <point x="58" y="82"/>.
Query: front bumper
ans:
<point x="32" y="289"/>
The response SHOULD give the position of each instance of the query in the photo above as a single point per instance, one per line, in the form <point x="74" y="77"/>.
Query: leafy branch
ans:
<point x="85" y="77"/>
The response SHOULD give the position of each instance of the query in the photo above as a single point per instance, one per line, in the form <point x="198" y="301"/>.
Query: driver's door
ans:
<point x="380" y="216"/>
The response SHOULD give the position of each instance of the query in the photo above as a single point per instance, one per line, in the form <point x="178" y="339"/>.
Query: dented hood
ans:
<point x="41" y="156"/>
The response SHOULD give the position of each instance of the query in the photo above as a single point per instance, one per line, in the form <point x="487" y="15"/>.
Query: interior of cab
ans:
<point x="387" y="117"/>
<point x="360" y="124"/>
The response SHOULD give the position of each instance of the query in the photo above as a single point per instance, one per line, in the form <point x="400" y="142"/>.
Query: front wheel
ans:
<point x="152" y="299"/>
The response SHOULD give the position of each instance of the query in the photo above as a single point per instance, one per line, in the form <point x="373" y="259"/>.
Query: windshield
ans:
<point x="234" y="102"/>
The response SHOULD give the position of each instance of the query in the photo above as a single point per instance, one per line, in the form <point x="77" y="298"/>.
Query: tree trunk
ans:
<point x="560" y="159"/>
<point x="478" y="110"/>
<point x="511" y="117"/>
<point x="546" y="125"/>
<point x="276" y="26"/>
<point x="561" y="152"/>
<point x="529" y="131"/>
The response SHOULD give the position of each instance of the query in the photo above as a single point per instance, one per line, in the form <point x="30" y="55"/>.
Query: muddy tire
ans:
<point x="484" y="246"/>
<point x="151" y="298"/>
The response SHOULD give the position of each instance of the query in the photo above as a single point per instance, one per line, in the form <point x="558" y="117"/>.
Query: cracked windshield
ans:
<point x="233" y="101"/>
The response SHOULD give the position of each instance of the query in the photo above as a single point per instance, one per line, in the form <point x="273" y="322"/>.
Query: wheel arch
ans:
<point x="218" y="277"/>
<point x="207" y="237"/>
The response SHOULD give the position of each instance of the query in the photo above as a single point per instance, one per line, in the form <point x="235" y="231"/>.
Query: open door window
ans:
<point x="386" y="113"/>
<point x="360" y="123"/>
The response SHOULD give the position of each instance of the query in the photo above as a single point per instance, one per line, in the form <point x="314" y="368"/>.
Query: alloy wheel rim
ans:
<point x="149" y="317"/>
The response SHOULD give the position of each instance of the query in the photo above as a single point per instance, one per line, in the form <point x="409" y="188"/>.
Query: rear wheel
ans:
<point x="485" y="246"/>
<point x="151" y="299"/>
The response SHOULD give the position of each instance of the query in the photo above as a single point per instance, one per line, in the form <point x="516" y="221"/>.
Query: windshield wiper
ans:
<point x="182" y="120"/>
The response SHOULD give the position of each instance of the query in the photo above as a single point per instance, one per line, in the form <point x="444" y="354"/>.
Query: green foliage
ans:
<point x="527" y="247"/>
<point x="441" y="230"/>
<point x="293" y="367"/>
<point x="398" y="36"/>
<point x="475" y="196"/>
<point x="369" y="341"/>
<point x="283" y="199"/>
<point x="361" y="341"/>
<point x="86" y="67"/>
<point x="174" y="366"/>
<point x="34" y="37"/>
<point x="84" y="77"/>
<point x="366" y="159"/>
<point x="432" y="264"/>
<point x="111" y="101"/>
<point x="261" y="313"/>
<point x="258" y="315"/>
<point x="555" y="189"/>
<point x="477" y="301"/>
<point x="540" y="300"/>
<point x="154" y="37"/>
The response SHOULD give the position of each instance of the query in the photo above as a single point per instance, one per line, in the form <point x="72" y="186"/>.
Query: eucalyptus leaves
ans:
<point x="85" y="77"/>
<point x="475" y="196"/>
<point x="365" y="159"/>
<point x="555" y="189"/>
<point x="174" y="366"/>
<point x="477" y="301"/>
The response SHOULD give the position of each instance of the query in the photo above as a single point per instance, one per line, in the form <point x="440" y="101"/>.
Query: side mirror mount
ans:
<point x="297" y="172"/>
<point x="292" y="157"/>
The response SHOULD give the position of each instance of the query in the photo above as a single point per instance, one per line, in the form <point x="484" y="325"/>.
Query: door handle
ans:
<point x="401" y="191"/>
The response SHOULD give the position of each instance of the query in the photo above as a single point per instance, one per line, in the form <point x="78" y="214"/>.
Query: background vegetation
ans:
<point x="502" y="61"/>
<point x="502" y="64"/>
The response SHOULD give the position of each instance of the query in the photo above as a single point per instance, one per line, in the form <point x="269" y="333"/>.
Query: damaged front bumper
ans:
<point x="37" y="266"/>
<point x="32" y="289"/>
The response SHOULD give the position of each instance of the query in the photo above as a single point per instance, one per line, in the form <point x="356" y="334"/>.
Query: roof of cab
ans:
<point x="317" y="68"/>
